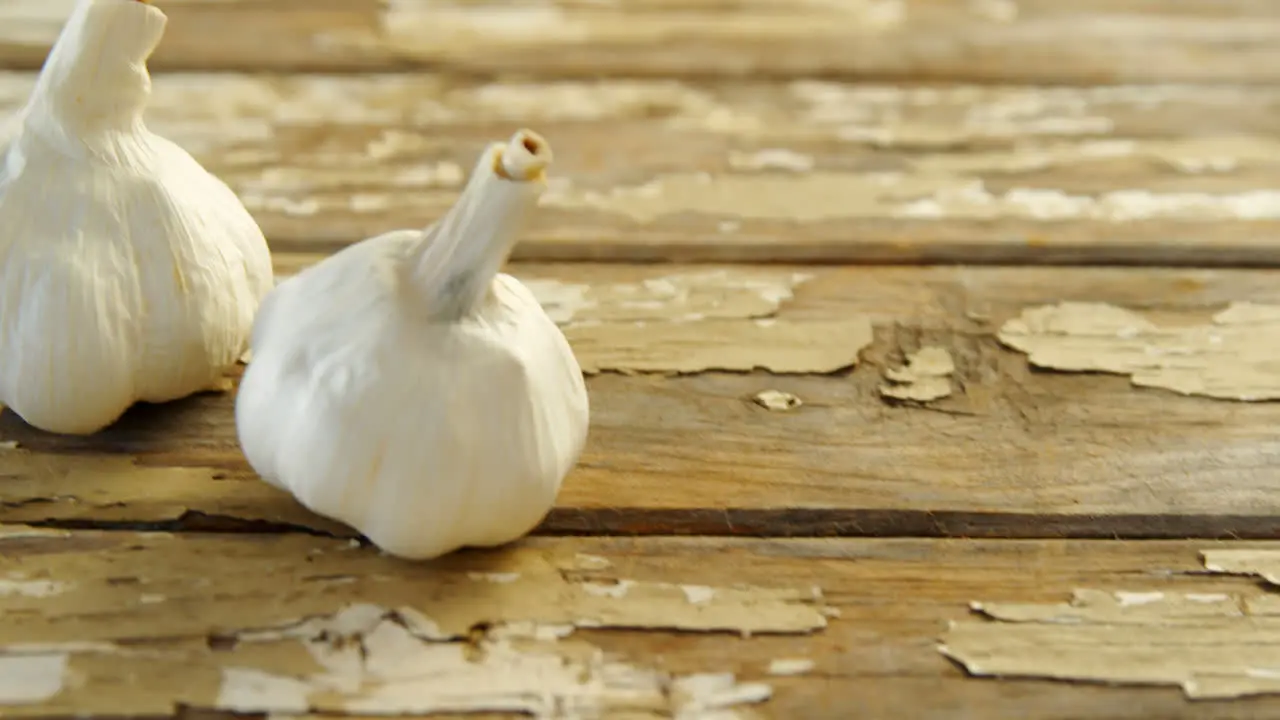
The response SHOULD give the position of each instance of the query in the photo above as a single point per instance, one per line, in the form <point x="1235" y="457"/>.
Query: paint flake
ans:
<point x="32" y="588"/>
<point x="926" y="377"/>
<point x="1230" y="359"/>
<point x="776" y="400"/>
<point x="790" y="666"/>
<point x="781" y="345"/>
<point x="356" y="647"/>
<point x="368" y="663"/>
<point x="31" y="679"/>
<point x="710" y="294"/>
<point x="1211" y="644"/>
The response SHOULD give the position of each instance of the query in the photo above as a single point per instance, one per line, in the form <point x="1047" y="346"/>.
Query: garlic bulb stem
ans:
<point x="455" y="262"/>
<point x="95" y="77"/>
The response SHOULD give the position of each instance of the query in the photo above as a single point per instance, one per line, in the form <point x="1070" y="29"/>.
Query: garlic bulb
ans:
<point x="127" y="272"/>
<point x="406" y="388"/>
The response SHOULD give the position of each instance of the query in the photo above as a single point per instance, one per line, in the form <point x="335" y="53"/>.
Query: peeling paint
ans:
<point x="926" y="377"/>
<point x="370" y="663"/>
<point x="614" y="590"/>
<point x="710" y="294"/>
<point x="1001" y="11"/>
<point x="1138" y="598"/>
<point x="32" y="588"/>
<point x="790" y="666"/>
<point x="819" y="196"/>
<point x="698" y="594"/>
<point x="772" y="159"/>
<point x="778" y="345"/>
<point x="776" y="400"/>
<point x="1211" y="644"/>
<point x="1231" y="359"/>
<point x="31" y="679"/>
<point x="501" y="578"/>
<point x="586" y="561"/>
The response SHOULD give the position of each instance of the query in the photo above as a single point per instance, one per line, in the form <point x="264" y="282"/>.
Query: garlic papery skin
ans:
<point x="407" y="388"/>
<point x="127" y="271"/>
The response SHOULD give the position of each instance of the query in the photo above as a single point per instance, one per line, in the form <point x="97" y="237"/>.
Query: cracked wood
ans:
<point x="799" y="171"/>
<point x="1089" y="41"/>
<point x="1011" y="452"/>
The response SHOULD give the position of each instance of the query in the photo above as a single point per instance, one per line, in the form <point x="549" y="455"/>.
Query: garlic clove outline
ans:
<point x="408" y="388"/>
<point x="127" y="272"/>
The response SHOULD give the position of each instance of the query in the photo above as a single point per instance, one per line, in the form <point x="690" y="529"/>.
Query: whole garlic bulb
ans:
<point x="127" y="272"/>
<point x="406" y="388"/>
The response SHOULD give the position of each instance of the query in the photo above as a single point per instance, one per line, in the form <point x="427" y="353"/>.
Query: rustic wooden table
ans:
<point x="762" y="213"/>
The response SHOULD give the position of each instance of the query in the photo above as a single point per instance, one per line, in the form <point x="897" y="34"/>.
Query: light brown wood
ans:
<point x="802" y="172"/>
<point x="1085" y="42"/>
<point x="147" y="572"/>
<point x="893" y="598"/>
<point x="1011" y="451"/>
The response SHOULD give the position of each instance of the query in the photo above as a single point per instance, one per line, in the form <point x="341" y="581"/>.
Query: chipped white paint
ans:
<point x="892" y="115"/>
<point x="371" y="664"/>
<point x="698" y="594"/>
<point x="585" y="561"/>
<point x="529" y="630"/>
<point x="1232" y="358"/>
<point x="24" y="531"/>
<point x="9" y="445"/>
<point x="819" y="196"/>
<point x="247" y="690"/>
<point x="500" y="578"/>
<point x="1212" y="645"/>
<point x="32" y="588"/>
<point x="1001" y="11"/>
<point x="1207" y="597"/>
<point x="31" y="679"/>
<point x="926" y="377"/>
<point x="772" y="159"/>
<point x="1128" y="599"/>
<point x="790" y="666"/>
<point x="151" y="599"/>
<point x="776" y="400"/>
<point x="701" y="696"/>
<point x="367" y="203"/>
<point x="614" y="590"/>
<point x="416" y="23"/>
<point x="708" y="294"/>
<point x="561" y="300"/>
<point x="1197" y="165"/>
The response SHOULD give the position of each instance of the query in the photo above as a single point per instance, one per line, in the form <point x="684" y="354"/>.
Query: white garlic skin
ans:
<point x="406" y="388"/>
<point x="127" y="272"/>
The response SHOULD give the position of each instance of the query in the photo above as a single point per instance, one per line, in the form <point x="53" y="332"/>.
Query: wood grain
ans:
<point x="1012" y="452"/>
<point x="1085" y="42"/>
<point x="877" y="657"/>
<point x="726" y="172"/>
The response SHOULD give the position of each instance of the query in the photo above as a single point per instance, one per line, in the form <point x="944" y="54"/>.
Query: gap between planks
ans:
<point x="1011" y="452"/>
<point x="135" y="620"/>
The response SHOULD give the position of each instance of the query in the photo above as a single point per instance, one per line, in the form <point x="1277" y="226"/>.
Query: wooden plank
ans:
<point x="1085" y="42"/>
<point x="1011" y="452"/>
<point x="804" y="172"/>
<point x="146" y="620"/>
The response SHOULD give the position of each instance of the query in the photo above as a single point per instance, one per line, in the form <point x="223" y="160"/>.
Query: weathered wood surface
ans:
<point x="141" y="632"/>
<point x="1084" y="42"/>
<point x="1012" y="451"/>
<point x="803" y="172"/>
